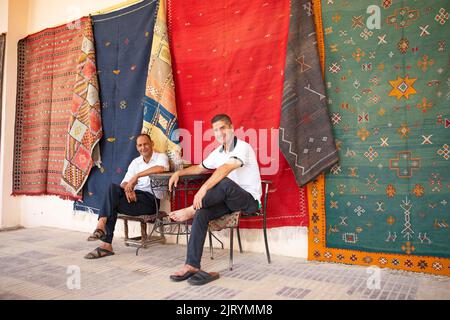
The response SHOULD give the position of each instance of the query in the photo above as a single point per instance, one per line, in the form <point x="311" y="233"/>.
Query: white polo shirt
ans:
<point x="138" y="165"/>
<point x="247" y="176"/>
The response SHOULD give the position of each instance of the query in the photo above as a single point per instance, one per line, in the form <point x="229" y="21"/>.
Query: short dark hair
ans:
<point x="144" y="135"/>
<point x="223" y="117"/>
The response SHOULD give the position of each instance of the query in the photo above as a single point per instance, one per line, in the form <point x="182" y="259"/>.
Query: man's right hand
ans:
<point x="173" y="181"/>
<point x="131" y="196"/>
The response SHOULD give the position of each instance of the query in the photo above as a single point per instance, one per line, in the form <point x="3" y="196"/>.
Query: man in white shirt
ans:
<point x="133" y="197"/>
<point x="235" y="185"/>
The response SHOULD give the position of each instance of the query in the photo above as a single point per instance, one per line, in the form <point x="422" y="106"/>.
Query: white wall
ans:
<point x="16" y="27"/>
<point x="3" y="15"/>
<point x="3" y="29"/>
<point x="22" y="17"/>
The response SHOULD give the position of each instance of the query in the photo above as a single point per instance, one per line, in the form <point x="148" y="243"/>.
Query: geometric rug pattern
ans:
<point x="160" y="110"/>
<point x="85" y="123"/>
<point x="386" y="203"/>
<point x="46" y="76"/>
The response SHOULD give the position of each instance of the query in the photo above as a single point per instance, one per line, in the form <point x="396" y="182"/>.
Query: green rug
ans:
<point x="388" y="85"/>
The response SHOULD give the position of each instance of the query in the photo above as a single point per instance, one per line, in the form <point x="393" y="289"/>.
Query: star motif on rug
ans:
<point x="402" y="87"/>
<point x="403" y="131"/>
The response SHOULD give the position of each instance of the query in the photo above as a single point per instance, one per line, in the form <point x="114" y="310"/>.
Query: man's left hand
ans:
<point x="198" y="198"/>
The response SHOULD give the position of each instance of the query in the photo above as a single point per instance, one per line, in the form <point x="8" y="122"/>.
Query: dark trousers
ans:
<point x="116" y="201"/>
<point x="225" y="197"/>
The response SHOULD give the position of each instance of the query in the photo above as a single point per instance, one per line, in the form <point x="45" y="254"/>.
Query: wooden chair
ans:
<point x="231" y="221"/>
<point x="144" y="240"/>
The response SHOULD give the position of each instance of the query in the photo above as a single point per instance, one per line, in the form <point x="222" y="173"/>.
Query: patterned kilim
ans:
<point x="160" y="110"/>
<point x="386" y="203"/>
<point x="229" y="58"/>
<point x="2" y="55"/>
<point x="306" y="136"/>
<point x="47" y="67"/>
<point x="123" y="41"/>
<point x="85" y="127"/>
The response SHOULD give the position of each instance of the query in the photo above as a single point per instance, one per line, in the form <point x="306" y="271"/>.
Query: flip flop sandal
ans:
<point x="98" y="234"/>
<point x="183" y="277"/>
<point x="201" y="277"/>
<point x="98" y="253"/>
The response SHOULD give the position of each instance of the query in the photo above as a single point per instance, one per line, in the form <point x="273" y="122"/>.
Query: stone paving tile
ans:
<point x="33" y="238"/>
<point x="38" y="263"/>
<point x="204" y="293"/>
<point x="75" y="246"/>
<point x="293" y="293"/>
<point x="36" y="255"/>
<point x="11" y="296"/>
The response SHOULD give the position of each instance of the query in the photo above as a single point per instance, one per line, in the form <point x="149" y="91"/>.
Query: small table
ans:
<point x="162" y="224"/>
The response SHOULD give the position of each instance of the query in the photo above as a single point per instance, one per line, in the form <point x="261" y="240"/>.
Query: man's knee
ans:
<point x="201" y="216"/>
<point x="225" y="183"/>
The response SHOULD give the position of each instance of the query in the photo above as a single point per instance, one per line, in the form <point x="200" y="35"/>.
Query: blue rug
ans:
<point x="123" y="41"/>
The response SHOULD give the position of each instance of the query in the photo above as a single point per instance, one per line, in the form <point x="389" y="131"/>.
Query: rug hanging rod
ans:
<point x="103" y="11"/>
<point x="117" y="6"/>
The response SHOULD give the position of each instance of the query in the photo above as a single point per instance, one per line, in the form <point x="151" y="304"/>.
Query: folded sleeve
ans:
<point x="210" y="162"/>
<point x="130" y="172"/>
<point x="163" y="161"/>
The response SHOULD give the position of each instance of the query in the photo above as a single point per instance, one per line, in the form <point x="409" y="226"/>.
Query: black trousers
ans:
<point x="224" y="198"/>
<point x="115" y="201"/>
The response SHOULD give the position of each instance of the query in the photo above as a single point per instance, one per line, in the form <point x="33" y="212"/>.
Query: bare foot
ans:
<point x="186" y="268"/>
<point x="182" y="214"/>
<point x="102" y="223"/>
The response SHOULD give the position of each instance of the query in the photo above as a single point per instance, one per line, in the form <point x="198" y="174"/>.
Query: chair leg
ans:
<point x="178" y="233"/>
<point x="143" y="233"/>
<point x="211" y="250"/>
<point x="231" y="249"/>
<point x="125" y="226"/>
<point x="239" y="239"/>
<point x="266" y="244"/>
<point x="218" y="240"/>
<point x="159" y="224"/>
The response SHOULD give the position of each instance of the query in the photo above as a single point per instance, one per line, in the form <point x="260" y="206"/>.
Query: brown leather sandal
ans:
<point x="98" y="253"/>
<point x="98" y="234"/>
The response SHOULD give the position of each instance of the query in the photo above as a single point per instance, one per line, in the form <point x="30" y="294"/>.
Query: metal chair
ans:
<point x="162" y="225"/>
<point x="231" y="221"/>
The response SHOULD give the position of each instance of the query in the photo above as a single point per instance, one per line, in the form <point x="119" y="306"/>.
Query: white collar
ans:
<point x="141" y="158"/>
<point x="232" y="146"/>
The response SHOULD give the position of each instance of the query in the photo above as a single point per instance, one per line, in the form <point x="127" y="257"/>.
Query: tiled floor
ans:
<point x="43" y="263"/>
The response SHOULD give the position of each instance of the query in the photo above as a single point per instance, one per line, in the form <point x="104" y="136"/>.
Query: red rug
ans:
<point x="85" y="122"/>
<point x="47" y="67"/>
<point x="229" y="58"/>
